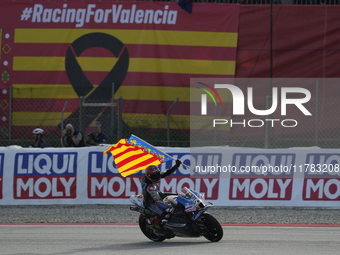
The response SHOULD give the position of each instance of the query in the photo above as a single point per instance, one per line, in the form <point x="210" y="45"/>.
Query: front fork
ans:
<point x="197" y="224"/>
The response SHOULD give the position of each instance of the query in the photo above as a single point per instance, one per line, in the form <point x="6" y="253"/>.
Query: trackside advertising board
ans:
<point x="227" y="176"/>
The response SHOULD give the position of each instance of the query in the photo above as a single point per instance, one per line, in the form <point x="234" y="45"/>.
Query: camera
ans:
<point x="90" y="137"/>
<point x="68" y="132"/>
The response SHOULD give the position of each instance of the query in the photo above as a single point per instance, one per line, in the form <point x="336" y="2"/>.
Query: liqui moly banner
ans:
<point x="226" y="176"/>
<point x="322" y="177"/>
<point x="270" y="185"/>
<point x="105" y="182"/>
<point x="45" y="175"/>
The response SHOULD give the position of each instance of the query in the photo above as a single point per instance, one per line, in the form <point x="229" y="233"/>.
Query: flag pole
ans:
<point x="166" y="154"/>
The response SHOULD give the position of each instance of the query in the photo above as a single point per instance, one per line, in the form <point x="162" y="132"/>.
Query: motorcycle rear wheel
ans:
<point x="143" y="224"/>
<point x="215" y="231"/>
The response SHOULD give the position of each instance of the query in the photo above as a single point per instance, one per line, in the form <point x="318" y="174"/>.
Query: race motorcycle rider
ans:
<point x="153" y="198"/>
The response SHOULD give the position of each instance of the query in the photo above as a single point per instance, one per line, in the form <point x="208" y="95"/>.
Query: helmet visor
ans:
<point x="156" y="176"/>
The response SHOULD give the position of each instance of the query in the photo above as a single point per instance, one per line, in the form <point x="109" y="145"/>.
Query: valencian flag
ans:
<point x="133" y="154"/>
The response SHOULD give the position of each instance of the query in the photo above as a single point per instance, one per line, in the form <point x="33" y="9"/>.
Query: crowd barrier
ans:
<point x="306" y="177"/>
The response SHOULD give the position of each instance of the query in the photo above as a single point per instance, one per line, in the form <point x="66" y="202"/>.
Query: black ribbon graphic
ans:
<point x="82" y="86"/>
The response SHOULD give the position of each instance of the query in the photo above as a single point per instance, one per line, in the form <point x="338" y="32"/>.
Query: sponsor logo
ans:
<point x="198" y="162"/>
<point x="45" y="175"/>
<point x="260" y="189"/>
<point x="325" y="165"/>
<point x="322" y="177"/>
<point x="269" y="164"/>
<point x="104" y="180"/>
<point x="321" y="189"/>
<point x="262" y="177"/>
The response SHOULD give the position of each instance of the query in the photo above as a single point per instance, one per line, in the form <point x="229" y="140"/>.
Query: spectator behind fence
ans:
<point x="97" y="137"/>
<point x="38" y="133"/>
<point x="71" y="137"/>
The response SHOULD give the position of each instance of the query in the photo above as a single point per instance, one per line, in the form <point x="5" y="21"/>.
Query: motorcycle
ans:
<point x="189" y="219"/>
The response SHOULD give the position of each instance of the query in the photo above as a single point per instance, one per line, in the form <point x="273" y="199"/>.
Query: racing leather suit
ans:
<point x="153" y="198"/>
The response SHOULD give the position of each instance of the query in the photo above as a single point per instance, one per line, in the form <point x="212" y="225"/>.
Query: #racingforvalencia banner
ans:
<point x="61" y="50"/>
<point x="133" y="154"/>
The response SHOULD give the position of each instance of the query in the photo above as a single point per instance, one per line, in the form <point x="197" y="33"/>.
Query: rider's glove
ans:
<point x="170" y="210"/>
<point x="178" y="162"/>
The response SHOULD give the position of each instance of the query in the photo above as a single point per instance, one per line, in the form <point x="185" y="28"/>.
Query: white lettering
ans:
<point x="96" y="185"/>
<point x="92" y="14"/>
<point x="39" y="167"/>
<point x="121" y="188"/>
<point x="311" y="186"/>
<point x="139" y="16"/>
<point x="283" y="186"/>
<point x="47" y="15"/>
<point x="238" y="186"/>
<point x="271" y="193"/>
<point x="327" y="189"/>
<point x="37" y="11"/>
<point x="210" y="186"/>
<point x="128" y="191"/>
<point x="165" y="14"/>
<point x="171" y="187"/>
<point x="261" y="112"/>
<point x="116" y="13"/>
<point x="67" y="185"/>
<point x="80" y="16"/>
<point x="124" y="18"/>
<point x="56" y="18"/>
<point x="297" y="101"/>
<point x="24" y="186"/>
<point x="133" y="10"/>
<point x="157" y="20"/>
<point x="55" y="192"/>
<point x="94" y="168"/>
<point x="238" y="99"/>
<point x="263" y="191"/>
<point x="172" y="17"/>
<point x="55" y="164"/>
<point x="37" y="187"/>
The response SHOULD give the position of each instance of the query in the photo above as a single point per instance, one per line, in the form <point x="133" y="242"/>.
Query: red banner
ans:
<point x="305" y="41"/>
<point x="63" y="50"/>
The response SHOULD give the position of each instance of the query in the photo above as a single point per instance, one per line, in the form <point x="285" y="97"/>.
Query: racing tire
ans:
<point x="148" y="232"/>
<point x="214" y="230"/>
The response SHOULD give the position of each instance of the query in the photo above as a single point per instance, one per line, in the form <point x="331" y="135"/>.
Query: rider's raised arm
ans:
<point x="172" y="169"/>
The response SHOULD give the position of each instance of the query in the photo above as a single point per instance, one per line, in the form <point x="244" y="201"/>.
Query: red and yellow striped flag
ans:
<point x="130" y="159"/>
<point x="162" y="57"/>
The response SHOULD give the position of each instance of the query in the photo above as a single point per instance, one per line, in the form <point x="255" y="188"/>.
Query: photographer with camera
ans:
<point x="97" y="137"/>
<point x="71" y="137"/>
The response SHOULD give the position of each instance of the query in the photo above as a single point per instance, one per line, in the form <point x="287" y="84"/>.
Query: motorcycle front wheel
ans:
<point x="147" y="230"/>
<point x="214" y="230"/>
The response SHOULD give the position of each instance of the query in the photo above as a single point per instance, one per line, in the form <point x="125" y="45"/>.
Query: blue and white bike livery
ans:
<point x="190" y="218"/>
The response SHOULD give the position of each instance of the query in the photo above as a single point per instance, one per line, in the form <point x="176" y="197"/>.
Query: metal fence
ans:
<point x="123" y="117"/>
<point x="166" y="129"/>
<point x="53" y="115"/>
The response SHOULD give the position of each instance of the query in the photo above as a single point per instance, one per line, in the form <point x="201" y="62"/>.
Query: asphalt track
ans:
<point x="128" y="239"/>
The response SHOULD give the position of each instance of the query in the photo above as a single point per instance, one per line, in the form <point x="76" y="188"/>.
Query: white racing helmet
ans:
<point x="38" y="131"/>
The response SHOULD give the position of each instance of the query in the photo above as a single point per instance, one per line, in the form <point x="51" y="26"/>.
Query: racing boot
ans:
<point x="167" y="215"/>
